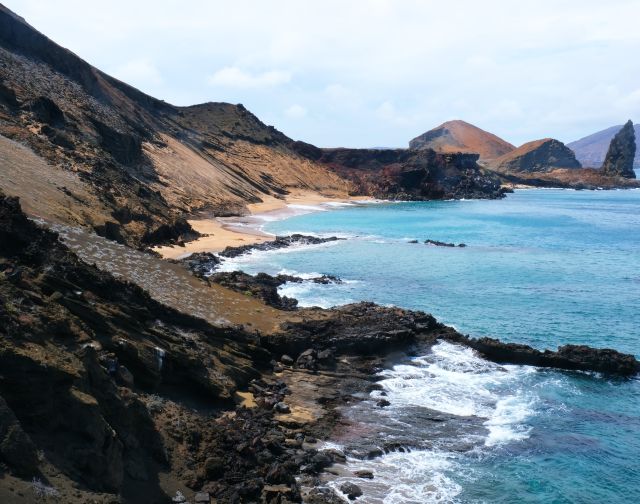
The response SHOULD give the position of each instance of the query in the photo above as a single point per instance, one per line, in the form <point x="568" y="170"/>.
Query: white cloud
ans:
<point x="238" y="78"/>
<point x="295" y="111"/>
<point x="560" y="68"/>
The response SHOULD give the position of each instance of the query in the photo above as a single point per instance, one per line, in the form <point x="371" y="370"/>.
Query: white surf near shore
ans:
<point x="454" y="380"/>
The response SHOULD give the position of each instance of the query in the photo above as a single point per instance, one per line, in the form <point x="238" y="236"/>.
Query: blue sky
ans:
<point x="367" y="73"/>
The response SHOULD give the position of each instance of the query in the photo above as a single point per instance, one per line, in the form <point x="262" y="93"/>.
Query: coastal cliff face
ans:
<point x="81" y="147"/>
<point x="412" y="174"/>
<point x="536" y="156"/>
<point x="621" y="153"/>
<point x="460" y="136"/>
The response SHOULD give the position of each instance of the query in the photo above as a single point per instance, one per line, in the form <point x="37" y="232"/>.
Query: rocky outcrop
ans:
<point x="460" y="136"/>
<point x="416" y="175"/>
<point x="621" y="153"/>
<point x="537" y="156"/>
<point x="79" y="350"/>
<point x="592" y="149"/>
<point x="570" y="357"/>
<point x="278" y="242"/>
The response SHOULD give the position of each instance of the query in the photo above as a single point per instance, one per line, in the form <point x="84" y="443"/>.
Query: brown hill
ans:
<point x="536" y="156"/>
<point x="82" y="147"/>
<point x="460" y="136"/>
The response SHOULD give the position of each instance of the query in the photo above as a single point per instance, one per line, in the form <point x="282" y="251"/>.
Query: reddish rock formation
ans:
<point x="460" y="136"/>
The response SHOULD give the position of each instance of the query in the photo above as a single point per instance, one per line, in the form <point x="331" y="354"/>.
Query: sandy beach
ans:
<point x="222" y="232"/>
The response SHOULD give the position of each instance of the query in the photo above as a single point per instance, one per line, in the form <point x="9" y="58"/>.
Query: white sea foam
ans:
<point x="313" y="294"/>
<point x="453" y="379"/>
<point x="405" y="477"/>
<point x="262" y="257"/>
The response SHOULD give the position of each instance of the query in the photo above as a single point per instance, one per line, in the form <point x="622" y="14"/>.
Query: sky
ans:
<point x="370" y="73"/>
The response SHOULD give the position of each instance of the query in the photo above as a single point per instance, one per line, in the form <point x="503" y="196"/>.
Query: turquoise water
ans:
<point x="543" y="267"/>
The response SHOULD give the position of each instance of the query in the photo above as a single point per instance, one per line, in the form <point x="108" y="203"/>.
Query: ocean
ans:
<point x="544" y="267"/>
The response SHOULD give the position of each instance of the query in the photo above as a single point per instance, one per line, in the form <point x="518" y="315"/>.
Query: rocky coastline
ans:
<point x="166" y="405"/>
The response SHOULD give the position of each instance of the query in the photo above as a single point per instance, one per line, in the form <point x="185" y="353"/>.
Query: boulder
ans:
<point x="363" y="474"/>
<point x="351" y="490"/>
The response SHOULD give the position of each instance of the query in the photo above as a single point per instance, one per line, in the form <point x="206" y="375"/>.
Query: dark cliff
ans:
<point x="621" y="153"/>
<point x="412" y="174"/>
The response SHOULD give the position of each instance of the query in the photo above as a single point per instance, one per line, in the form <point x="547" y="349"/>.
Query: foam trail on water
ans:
<point x="404" y="478"/>
<point x="453" y="379"/>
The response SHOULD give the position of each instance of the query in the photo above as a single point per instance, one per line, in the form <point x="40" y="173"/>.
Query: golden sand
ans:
<point x="222" y="233"/>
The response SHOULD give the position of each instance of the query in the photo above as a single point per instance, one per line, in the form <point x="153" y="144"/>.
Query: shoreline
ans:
<point x="222" y="232"/>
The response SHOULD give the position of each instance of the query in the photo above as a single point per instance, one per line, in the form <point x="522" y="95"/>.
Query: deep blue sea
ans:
<point x="542" y="267"/>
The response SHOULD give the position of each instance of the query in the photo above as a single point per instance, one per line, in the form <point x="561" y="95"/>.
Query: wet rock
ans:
<point x="202" y="263"/>
<point x="621" y="153"/>
<point x="278" y="243"/>
<point x="335" y="455"/>
<point x="374" y="453"/>
<point x="261" y="286"/>
<point x="351" y="490"/>
<point x="286" y="360"/>
<point x="281" y="407"/>
<point x="319" y="462"/>
<point x="363" y="474"/>
<point x="443" y="244"/>
<point x="382" y="403"/>
<point x="322" y="496"/>
<point x="571" y="357"/>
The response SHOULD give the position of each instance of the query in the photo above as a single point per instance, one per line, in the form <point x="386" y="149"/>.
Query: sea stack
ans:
<point x="622" y="150"/>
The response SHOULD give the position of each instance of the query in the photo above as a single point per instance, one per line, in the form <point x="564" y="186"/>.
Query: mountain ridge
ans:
<point x="461" y="136"/>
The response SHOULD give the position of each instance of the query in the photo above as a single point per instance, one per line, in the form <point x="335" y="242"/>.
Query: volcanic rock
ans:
<point x="621" y="153"/>
<point x="351" y="490"/>
<point x="460" y="136"/>
<point x="536" y="156"/>
<point x="413" y="175"/>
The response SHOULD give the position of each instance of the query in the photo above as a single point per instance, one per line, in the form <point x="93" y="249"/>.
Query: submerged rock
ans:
<point x="351" y="490"/>
<point x="622" y="150"/>
<point x="443" y="244"/>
